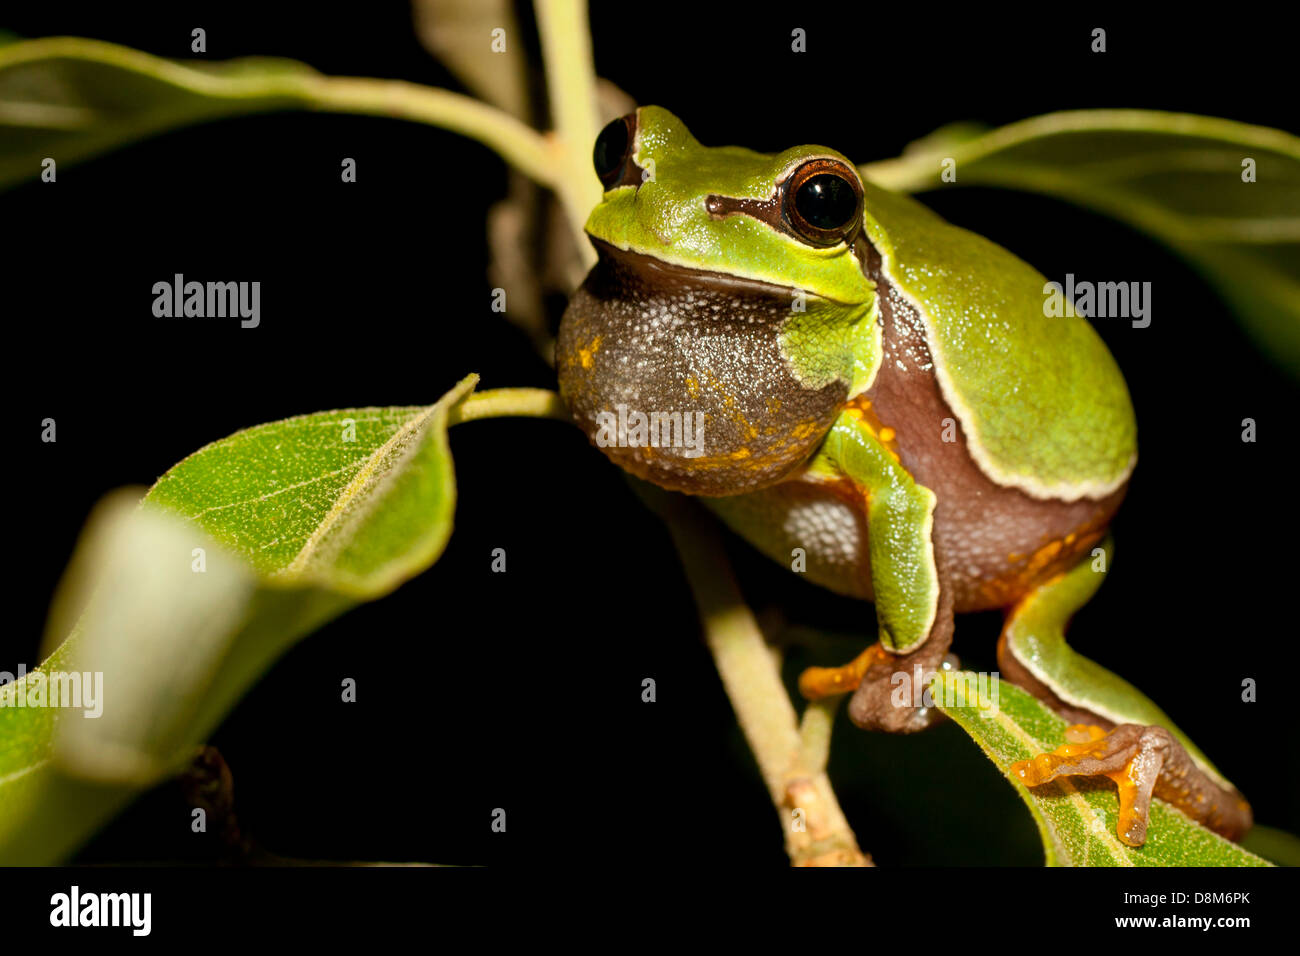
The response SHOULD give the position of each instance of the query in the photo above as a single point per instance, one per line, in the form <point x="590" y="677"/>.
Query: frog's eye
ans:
<point x="823" y="202"/>
<point x="612" y="148"/>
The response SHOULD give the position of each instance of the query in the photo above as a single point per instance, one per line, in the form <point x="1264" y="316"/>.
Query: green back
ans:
<point x="1042" y="402"/>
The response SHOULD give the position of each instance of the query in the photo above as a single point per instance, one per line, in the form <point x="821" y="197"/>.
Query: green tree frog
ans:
<point x="842" y="375"/>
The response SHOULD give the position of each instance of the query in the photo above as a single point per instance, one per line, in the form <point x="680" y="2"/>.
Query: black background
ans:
<point x="522" y="690"/>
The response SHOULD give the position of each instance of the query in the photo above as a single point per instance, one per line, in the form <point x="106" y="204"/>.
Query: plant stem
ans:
<point x="919" y="167"/>
<point x="516" y="142"/>
<point x="792" y="764"/>
<point x="791" y="757"/>
<point x="571" y="93"/>
<point x="509" y="403"/>
<point x="815" y="731"/>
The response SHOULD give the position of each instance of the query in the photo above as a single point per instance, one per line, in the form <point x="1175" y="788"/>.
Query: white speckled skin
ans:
<point x="806" y="514"/>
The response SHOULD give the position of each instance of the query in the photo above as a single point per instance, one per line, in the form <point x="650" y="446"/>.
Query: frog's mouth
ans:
<point x="679" y="376"/>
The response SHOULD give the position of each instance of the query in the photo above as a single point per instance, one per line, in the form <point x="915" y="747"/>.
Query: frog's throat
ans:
<point x="679" y="376"/>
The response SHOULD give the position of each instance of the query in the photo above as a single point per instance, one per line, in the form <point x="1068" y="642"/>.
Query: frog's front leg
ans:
<point x="914" y="608"/>
<point x="1118" y="732"/>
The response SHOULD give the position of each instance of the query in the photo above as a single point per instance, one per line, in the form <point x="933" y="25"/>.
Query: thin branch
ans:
<point x="571" y="92"/>
<point x="516" y="142"/>
<point x="509" y="403"/>
<point x="815" y="731"/>
<point x="263" y="91"/>
<point x="792" y="764"/>
<point x="918" y="168"/>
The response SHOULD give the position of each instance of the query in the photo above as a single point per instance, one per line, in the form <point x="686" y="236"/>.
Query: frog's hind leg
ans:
<point x="889" y="688"/>
<point x="1117" y="732"/>
<point x="913" y="600"/>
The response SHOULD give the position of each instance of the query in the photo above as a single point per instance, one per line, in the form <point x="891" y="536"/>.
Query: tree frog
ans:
<point x="842" y="375"/>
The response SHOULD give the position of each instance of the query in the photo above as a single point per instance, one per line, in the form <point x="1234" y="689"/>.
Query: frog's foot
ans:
<point x="818" y="682"/>
<point x="1143" y="761"/>
<point x="889" y="688"/>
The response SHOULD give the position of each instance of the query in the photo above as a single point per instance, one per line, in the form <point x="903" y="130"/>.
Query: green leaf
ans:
<point x="1076" y="817"/>
<point x="69" y="98"/>
<point x="183" y="600"/>
<point x="354" y="500"/>
<point x="1176" y="177"/>
<point x="147" y="637"/>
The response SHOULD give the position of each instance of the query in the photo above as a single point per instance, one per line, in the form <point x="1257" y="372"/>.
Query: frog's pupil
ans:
<point x="826" y="201"/>
<point x="611" y="146"/>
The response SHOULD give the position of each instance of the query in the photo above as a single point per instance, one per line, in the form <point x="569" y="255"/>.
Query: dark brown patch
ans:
<point x="657" y="338"/>
<point x="764" y="210"/>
